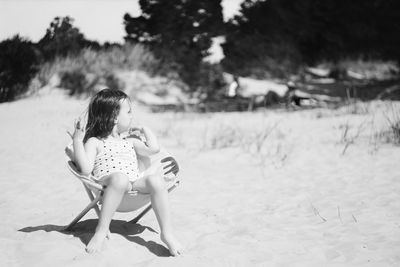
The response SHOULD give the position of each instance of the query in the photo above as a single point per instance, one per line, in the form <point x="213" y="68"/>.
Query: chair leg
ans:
<point x="83" y="213"/>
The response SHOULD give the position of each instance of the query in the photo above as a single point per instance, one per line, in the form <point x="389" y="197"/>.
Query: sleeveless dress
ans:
<point x="117" y="156"/>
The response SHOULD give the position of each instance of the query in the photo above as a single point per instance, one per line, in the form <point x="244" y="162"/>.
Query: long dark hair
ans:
<point x="102" y="112"/>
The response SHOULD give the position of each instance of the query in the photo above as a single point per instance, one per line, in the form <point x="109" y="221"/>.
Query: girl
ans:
<point x="112" y="159"/>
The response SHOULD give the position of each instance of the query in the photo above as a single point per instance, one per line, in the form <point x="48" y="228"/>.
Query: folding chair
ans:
<point x="131" y="201"/>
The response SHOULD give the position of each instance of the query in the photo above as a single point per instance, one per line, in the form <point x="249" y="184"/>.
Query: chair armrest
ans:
<point x="86" y="179"/>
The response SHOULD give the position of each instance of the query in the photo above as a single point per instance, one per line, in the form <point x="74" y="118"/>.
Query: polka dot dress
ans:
<point x="117" y="156"/>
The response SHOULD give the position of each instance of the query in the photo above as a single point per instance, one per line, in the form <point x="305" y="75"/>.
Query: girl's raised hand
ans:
<point x="79" y="132"/>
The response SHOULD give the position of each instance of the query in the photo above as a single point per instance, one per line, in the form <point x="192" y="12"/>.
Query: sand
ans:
<point x="299" y="200"/>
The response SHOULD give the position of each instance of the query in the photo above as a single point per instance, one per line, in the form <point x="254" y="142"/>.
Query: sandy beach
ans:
<point x="313" y="187"/>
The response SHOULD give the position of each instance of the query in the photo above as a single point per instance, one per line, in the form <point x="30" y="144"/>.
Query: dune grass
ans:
<point x="81" y="73"/>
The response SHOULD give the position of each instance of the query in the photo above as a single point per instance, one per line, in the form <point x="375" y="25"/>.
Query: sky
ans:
<point x="100" y="20"/>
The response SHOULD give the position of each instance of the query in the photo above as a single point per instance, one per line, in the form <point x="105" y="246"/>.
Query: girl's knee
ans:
<point x="119" y="181"/>
<point x="155" y="182"/>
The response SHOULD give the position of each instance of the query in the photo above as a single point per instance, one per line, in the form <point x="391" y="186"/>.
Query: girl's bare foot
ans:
<point x="175" y="248"/>
<point x="96" y="242"/>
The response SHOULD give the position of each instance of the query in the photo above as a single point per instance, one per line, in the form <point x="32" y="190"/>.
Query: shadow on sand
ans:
<point x="84" y="230"/>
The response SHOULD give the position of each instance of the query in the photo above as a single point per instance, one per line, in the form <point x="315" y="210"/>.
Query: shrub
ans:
<point x="18" y="64"/>
<point x="111" y="81"/>
<point x="80" y="82"/>
<point x="395" y="128"/>
<point x="393" y="119"/>
<point x="75" y="81"/>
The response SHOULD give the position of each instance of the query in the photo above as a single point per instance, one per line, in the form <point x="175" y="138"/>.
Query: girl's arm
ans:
<point x="84" y="154"/>
<point x="151" y="146"/>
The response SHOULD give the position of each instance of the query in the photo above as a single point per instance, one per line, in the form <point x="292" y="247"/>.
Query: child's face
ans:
<point x="124" y="117"/>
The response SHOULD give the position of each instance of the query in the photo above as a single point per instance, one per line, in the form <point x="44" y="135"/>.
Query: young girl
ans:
<point x="112" y="159"/>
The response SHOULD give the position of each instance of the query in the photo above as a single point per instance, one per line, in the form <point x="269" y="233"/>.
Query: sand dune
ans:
<point x="299" y="201"/>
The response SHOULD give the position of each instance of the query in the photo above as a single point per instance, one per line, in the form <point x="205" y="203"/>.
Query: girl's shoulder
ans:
<point x="97" y="144"/>
<point x="94" y="142"/>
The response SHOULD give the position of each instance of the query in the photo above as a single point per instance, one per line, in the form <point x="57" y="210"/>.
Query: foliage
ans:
<point x="211" y="80"/>
<point x="62" y="38"/>
<point x="18" y="64"/>
<point x="82" y="73"/>
<point x="393" y="119"/>
<point x="171" y="38"/>
<point x="287" y="33"/>
<point x="111" y="81"/>
<point x="78" y="82"/>
<point x="179" y="32"/>
<point x="75" y="81"/>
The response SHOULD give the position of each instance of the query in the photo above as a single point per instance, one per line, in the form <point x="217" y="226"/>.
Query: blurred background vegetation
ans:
<point x="274" y="39"/>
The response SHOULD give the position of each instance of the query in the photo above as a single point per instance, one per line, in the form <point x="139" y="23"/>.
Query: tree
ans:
<point x="18" y="64"/>
<point x="62" y="38"/>
<point x="178" y="31"/>
<point x="269" y="35"/>
<point x="260" y="41"/>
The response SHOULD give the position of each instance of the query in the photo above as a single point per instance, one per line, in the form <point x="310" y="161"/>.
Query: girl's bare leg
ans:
<point x="117" y="184"/>
<point x="155" y="185"/>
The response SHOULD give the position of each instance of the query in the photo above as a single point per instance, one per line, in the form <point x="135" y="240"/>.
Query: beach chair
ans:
<point x="131" y="201"/>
